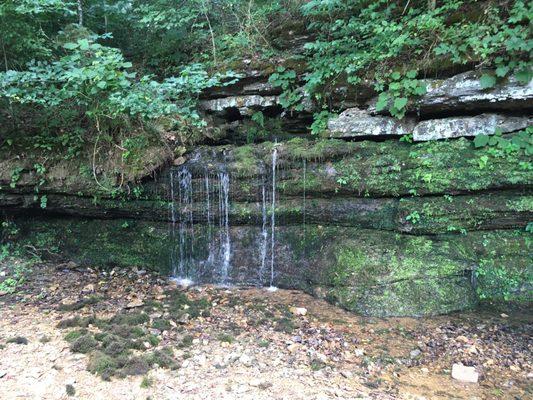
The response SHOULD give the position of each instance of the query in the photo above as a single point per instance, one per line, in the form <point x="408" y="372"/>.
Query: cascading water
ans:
<point x="187" y="266"/>
<point x="225" y="241"/>
<point x="273" y="217"/>
<point x="304" y="207"/>
<point x="181" y="258"/>
<point x="263" y="240"/>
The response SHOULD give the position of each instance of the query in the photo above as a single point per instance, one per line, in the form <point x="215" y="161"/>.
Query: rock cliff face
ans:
<point x="377" y="225"/>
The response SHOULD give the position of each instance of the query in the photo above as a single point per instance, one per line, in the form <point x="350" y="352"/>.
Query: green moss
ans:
<point x="225" y="337"/>
<point x="84" y="344"/>
<point x="102" y="365"/>
<point x="74" y="335"/>
<point x="186" y="341"/>
<point x="18" y="340"/>
<point x="130" y="319"/>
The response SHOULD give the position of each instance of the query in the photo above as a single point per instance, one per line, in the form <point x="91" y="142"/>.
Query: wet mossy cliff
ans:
<point x="381" y="227"/>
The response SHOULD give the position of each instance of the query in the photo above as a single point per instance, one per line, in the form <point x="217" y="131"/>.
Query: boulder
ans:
<point x="356" y="122"/>
<point x="484" y="124"/>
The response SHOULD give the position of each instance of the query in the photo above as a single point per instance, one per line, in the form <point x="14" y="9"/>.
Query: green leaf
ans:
<point x="421" y="89"/>
<point x="411" y="74"/>
<point x="487" y="81"/>
<point x="396" y="75"/>
<point x="70" y="46"/>
<point x="523" y="76"/>
<point x="84" y="44"/>
<point x="383" y="101"/>
<point x="502" y="71"/>
<point x="481" y="140"/>
<point x="400" y="103"/>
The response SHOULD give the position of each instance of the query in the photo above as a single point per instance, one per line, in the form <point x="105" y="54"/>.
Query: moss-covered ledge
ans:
<point x="368" y="271"/>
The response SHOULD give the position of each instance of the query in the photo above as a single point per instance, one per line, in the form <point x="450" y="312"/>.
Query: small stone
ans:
<point x="472" y="349"/>
<point x="135" y="303"/>
<point x="503" y="315"/>
<point x="88" y="288"/>
<point x="424" y="370"/>
<point x="462" y="338"/>
<point x="359" y="352"/>
<point x="184" y="318"/>
<point x="180" y="160"/>
<point x="246" y="360"/>
<point x="415" y="353"/>
<point x="464" y="374"/>
<point x="298" y="311"/>
<point x="347" y="374"/>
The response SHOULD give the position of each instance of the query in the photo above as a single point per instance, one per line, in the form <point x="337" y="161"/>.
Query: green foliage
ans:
<point x="358" y="39"/>
<point x="522" y="140"/>
<point x="292" y="95"/>
<point x="399" y="90"/>
<point x="320" y="122"/>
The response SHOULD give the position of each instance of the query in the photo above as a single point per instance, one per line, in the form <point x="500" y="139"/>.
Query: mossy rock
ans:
<point x="418" y="297"/>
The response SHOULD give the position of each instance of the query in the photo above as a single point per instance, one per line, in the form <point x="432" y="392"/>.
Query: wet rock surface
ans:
<point x="249" y="344"/>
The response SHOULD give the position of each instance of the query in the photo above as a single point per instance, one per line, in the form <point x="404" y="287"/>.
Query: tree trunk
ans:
<point x="80" y="13"/>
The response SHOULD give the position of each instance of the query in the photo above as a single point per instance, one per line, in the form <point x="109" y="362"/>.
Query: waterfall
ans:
<point x="186" y="264"/>
<point x="264" y="235"/>
<point x="273" y="216"/>
<point x="209" y="220"/>
<point x="304" y="208"/>
<point x="173" y="218"/>
<point x="225" y="241"/>
<point x="186" y="225"/>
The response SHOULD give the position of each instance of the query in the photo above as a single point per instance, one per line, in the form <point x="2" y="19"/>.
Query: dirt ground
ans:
<point x="246" y="343"/>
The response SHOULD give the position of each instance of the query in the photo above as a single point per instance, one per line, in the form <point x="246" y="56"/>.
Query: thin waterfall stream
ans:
<point x="273" y="218"/>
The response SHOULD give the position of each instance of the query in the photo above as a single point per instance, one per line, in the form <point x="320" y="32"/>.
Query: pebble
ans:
<point x="298" y="311"/>
<point x="415" y="353"/>
<point x="359" y="352"/>
<point x="347" y="374"/>
<point x="464" y="374"/>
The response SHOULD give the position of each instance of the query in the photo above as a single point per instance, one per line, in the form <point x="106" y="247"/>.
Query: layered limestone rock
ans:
<point x="484" y="124"/>
<point x="355" y="122"/>
<point x="463" y="92"/>
<point x="358" y="123"/>
<point x="246" y="105"/>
